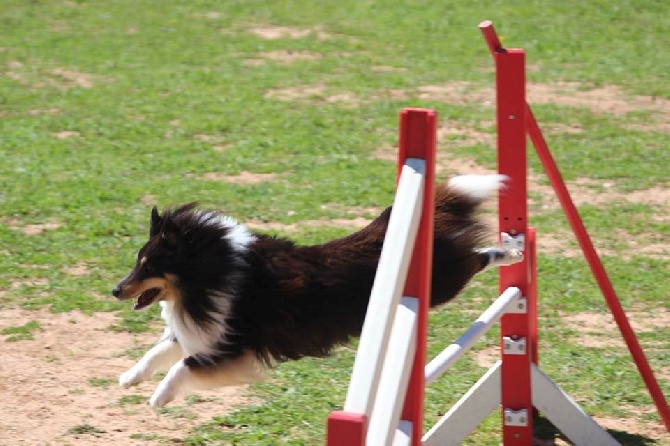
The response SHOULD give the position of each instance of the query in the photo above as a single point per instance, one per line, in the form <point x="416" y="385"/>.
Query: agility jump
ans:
<point x="384" y="403"/>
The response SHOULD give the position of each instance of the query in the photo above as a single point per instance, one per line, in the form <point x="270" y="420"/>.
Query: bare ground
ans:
<point x="61" y="387"/>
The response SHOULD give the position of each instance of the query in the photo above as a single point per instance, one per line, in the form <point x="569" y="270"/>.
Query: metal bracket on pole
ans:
<point x="519" y="307"/>
<point x="516" y="417"/>
<point x="514" y="346"/>
<point x="513" y="241"/>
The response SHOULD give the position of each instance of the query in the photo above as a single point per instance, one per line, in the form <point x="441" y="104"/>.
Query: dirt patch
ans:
<point x="662" y="127"/>
<point x="71" y="78"/>
<point x="211" y="15"/>
<point x="487" y="356"/>
<point x="60" y="388"/>
<point x="458" y="92"/>
<point x="357" y="211"/>
<point x="388" y="69"/>
<point x="447" y="164"/>
<point x="562" y="243"/>
<point x="78" y="270"/>
<point x="66" y="134"/>
<point x="588" y="191"/>
<point x="241" y="178"/>
<point x="454" y="134"/>
<point x="634" y="427"/>
<point x="211" y="139"/>
<point x="317" y="93"/>
<point x="604" y="322"/>
<point x="40" y="282"/>
<point x="297" y="93"/>
<point x="287" y="56"/>
<point x="33" y="229"/>
<point x="148" y="199"/>
<point x="221" y="147"/>
<point x="60" y="78"/>
<point x="287" y="32"/>
<point x="355" y="223"/>
<point x="606" y="99"/>
<point x="600" y="330"/>
<point x="31" y="266"/>
<point x="558" y="129"/>
<point x="48" y="111"/>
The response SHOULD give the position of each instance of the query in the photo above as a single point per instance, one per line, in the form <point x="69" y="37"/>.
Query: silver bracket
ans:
<point x="519" y="307"/>
<point x="516" y="241"/>
<point x="516" y="417"/>
<point x="513" y="346"/>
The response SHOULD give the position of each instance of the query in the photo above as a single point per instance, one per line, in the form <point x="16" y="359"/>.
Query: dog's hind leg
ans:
<point x="160" y="357"/>
<point x="494" y="257"/>
<point x="191" y="374"/>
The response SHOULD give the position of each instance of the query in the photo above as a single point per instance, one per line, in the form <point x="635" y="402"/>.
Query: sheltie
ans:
<point x="237" y="302"/>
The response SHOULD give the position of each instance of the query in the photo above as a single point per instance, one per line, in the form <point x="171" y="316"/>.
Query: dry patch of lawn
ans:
<point x="67" y="386"/>
<point x="243" y="177"/>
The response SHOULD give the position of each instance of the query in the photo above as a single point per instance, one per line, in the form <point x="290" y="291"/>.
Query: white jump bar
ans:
<point x="449" y="355"/>
<point x="387" y="288"/>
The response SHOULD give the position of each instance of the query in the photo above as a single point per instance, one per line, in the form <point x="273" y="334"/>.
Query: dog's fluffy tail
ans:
<point x="477" y="187"/>
<point x="463" y="194"/>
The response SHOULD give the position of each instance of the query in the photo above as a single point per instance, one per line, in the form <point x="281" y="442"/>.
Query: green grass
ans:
<point x="131" y="399"/>
<point x="21" y="333"/>
<point x="82" y="429"/>
<point x="154" y="97"/>
<point x="100" y="382"/>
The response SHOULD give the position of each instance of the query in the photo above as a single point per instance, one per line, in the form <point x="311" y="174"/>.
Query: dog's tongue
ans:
<point x="146" y="298"/>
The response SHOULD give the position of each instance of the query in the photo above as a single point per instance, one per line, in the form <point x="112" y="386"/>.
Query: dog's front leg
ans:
<point x="194" y="374"/>
<point x="160" y="357"/>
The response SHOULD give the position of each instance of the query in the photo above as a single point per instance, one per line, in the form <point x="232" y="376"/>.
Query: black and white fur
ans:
<point x="236" y="302"/>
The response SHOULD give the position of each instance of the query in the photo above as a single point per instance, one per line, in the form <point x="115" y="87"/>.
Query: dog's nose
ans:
<point x="116" y="292"/>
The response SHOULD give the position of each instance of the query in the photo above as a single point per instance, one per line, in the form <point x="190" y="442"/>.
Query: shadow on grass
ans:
<point x="545" y="433"/>
<point x="631" y="439"/>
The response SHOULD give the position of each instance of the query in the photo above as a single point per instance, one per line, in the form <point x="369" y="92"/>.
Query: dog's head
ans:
<point x="154" y="276"/>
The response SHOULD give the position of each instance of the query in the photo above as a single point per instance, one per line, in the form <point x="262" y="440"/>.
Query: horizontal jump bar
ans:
<point x="449" y="355"/>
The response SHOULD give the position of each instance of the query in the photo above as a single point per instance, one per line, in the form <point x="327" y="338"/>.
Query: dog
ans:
<point x="237" y="302"/>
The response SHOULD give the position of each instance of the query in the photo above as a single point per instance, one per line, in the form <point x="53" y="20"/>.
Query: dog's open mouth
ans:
<point x="146" y="298"/>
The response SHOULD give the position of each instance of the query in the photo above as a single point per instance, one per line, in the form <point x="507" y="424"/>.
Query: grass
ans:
<point x="22" y="332"/>
<point x="100" y="382"/>
<point x="82" y="429"/>
<point x="107" y="108"/>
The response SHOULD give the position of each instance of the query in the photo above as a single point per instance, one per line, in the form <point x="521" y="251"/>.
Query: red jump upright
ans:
<point x="597" y="268"/>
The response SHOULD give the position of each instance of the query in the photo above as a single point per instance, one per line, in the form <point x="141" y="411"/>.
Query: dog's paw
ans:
<point x="163" y="394"/>
<point x="131" y="378"/>
<point x="509" y="257"/>
<point x="498" y="256"/>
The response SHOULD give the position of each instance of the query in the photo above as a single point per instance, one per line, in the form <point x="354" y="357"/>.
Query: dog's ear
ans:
<point x="156" y="221"/>
<point x="170" y="233"/>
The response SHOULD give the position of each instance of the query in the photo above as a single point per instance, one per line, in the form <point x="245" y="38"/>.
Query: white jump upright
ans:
<point x="379" y="409"/>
